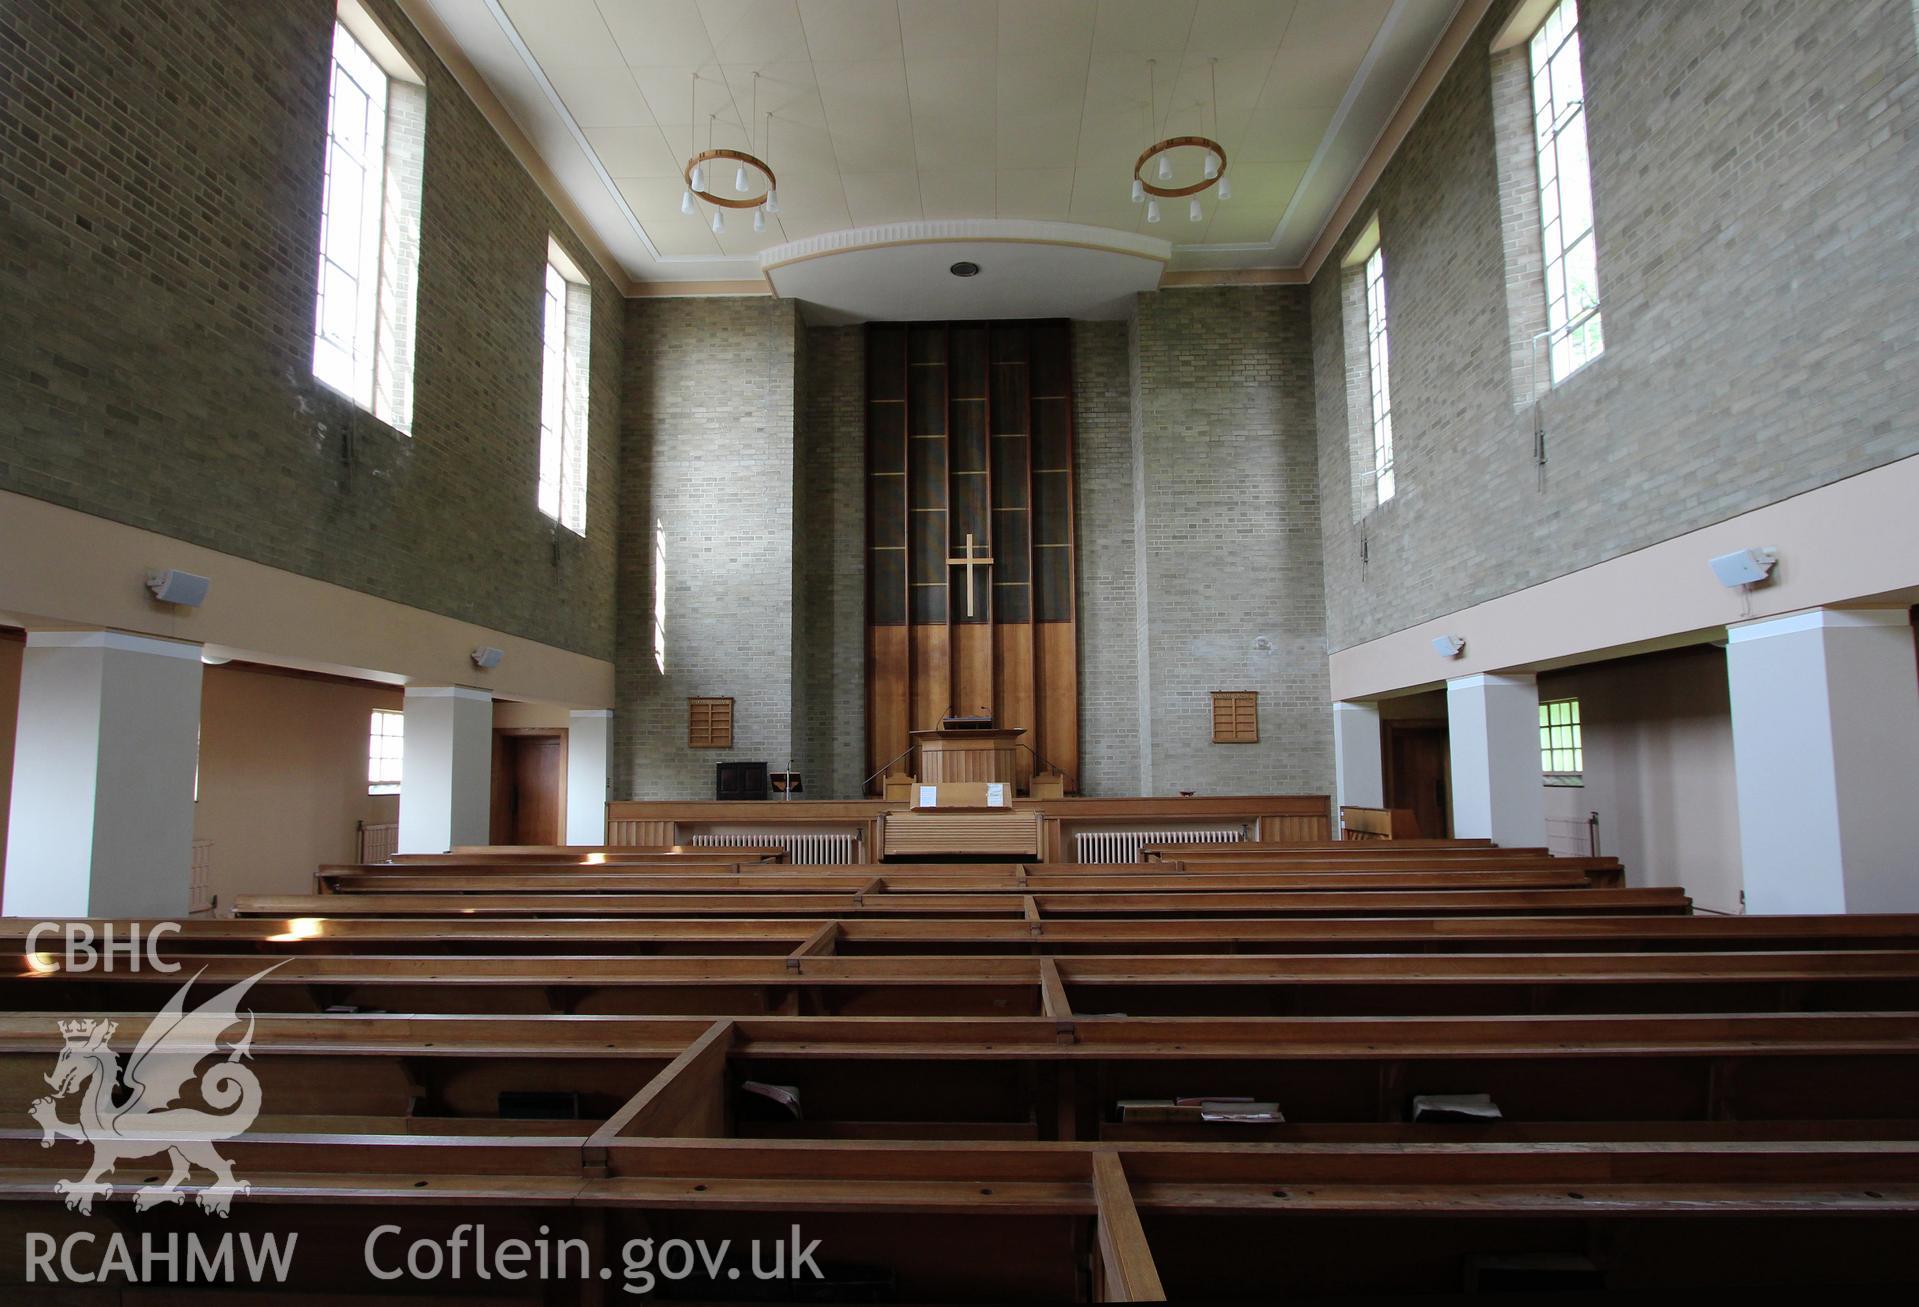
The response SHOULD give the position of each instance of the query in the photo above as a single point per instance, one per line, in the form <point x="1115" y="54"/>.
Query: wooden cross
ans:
<point x="969" y="561"/>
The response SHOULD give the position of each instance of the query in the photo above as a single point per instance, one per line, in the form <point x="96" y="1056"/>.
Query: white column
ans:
<point x="446" y="777"/>
<point x="1498" y="789"/>
<point x="1358" y="776"/>
<point x="1825" y="741"/>
<point x="589" y="742"/>
<point x="101" y="822"/>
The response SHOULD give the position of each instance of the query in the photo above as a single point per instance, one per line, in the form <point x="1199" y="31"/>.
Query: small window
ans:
<point x="566" y="321"/>
<point x="1235" y="717"/>
<point x="709" y="723"/>
<point x="1561" y="756"/>
<point x="1574" y="334"/>
<point x="1379" y="374"/>
<point x="386" y="745"/>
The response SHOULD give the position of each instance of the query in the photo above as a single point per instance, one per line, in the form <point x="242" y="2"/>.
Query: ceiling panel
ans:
<point x="564" y="32"/>
<point x="1045" y="193"/>
<point x="740" y="239"/>
<point x="949" y="29"/>
<point x="1142" y="26"/>
<point x="599" y="97"/>
<point x="1064" y="27"/>
<point x="1301" y="77"/>
<point x="875" y="198"/>
<point x="1039" y="140"/>
<point x="889" y="110"/>
<point x="947" y="144"/>
<point x="850" y="31"/>
<point x="657" y="33"/>
<point x="655" y="200"/>
<point x="634" y="151"/>
<point x="754" y="31"/>
<point x="1337" y="29"/>
<point x="959" y="194"/>
<point x="1281" y="136"/>
<point x="1222" y="26"/>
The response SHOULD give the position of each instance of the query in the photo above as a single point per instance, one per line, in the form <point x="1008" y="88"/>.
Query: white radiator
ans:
<point x="200" y="892"/>
<point x="831" y="850"/>
<point x="1109" y="846"/>
<point x="378" y="840"/>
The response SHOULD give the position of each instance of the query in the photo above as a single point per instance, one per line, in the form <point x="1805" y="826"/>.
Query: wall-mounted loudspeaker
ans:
<point x="176" y="587"/>
<point x="1449" y="646"/>
<point x="486" y="657"/>
<point x="1745" y="566"/>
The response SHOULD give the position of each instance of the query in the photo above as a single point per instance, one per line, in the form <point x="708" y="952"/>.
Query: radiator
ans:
<point x="1109" y="846"/>
<point x="379" y="840"/>
<point x="200" y="893"/>
<point x="832" y="850"/>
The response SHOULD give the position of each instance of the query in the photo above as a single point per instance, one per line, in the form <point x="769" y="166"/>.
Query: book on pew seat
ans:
<point x="1455" y="1107"/>
<point x="1224" y="1108"/>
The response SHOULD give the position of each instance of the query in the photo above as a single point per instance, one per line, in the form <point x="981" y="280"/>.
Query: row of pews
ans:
<point x="1464" y="1069"/>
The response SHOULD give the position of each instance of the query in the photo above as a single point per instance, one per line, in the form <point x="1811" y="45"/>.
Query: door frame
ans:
<point x="1390" y="727"/>
<point x="500" y="780"/>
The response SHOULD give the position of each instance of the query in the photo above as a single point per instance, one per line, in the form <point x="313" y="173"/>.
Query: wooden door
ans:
<point x="1419" y="774"/>
<point x="529" y="787"/>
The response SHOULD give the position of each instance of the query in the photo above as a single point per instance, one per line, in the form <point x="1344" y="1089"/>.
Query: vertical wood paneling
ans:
<point x="932" y="686"/>
<point x="1015" y="706"/>
<point x="979" y="439"/>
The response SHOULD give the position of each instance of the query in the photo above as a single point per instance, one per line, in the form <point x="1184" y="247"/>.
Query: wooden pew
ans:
<point x="1366" y="825"/>
<point x="1034" y="1216"/>
<point x="314" y="935"/>
<point x="821" y="982"/>
<point x="1270" y="903"/>
<point x="1173" y="848"/>
<point x="810" y="881"/>
<point x="956" y="1074"/>
<point x="587" y="855"/>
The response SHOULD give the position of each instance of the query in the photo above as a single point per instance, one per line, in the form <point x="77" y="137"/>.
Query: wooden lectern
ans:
<point x="986" y="756"/>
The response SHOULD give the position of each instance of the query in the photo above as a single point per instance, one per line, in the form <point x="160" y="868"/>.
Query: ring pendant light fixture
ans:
<point x="700" y="184"/>
<point x="1164" y="185"/>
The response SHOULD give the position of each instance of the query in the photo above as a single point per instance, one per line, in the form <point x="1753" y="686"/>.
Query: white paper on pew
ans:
<point x="1455" y="1107"/>
<point x="787" y="1096"/>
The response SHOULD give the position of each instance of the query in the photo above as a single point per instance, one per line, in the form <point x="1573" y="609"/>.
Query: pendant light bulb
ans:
<point x="1139" y="190"/>
<point x="1166" y="167"/>
<point x="1212" y="165"/>
<point x="686" y="202"/>
<point x="1225" y="188"/>
<point x="699" y="176"/>
<point x="1152" y="210"/>
<point x="772" y="201"/>
<point x="759" y="218"/>
<point x="1193" y="213"/>
<point x="739" y="180"/>
<point x="719" y="221"/>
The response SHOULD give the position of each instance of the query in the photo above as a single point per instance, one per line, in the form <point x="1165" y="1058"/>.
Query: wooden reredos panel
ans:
<point x="969" y="432"/>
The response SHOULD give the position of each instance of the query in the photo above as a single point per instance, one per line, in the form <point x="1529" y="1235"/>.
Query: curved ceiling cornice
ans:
<point x="900" y="271"/>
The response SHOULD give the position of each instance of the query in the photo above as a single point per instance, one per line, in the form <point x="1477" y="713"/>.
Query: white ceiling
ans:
<point x="891" y="111"/>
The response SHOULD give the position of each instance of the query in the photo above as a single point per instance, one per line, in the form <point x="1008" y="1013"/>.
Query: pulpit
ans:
<point x="947" y="757"/>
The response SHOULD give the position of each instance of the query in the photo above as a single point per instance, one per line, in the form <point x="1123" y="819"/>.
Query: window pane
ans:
<point x="386" y="745"/>
<point x="345" y="314"/>
<point x="1582" y="278"/>
<point x="1565" y="192"/>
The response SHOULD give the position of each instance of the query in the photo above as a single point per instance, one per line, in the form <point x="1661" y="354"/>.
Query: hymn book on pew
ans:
<point x="1233" y="1108"/>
